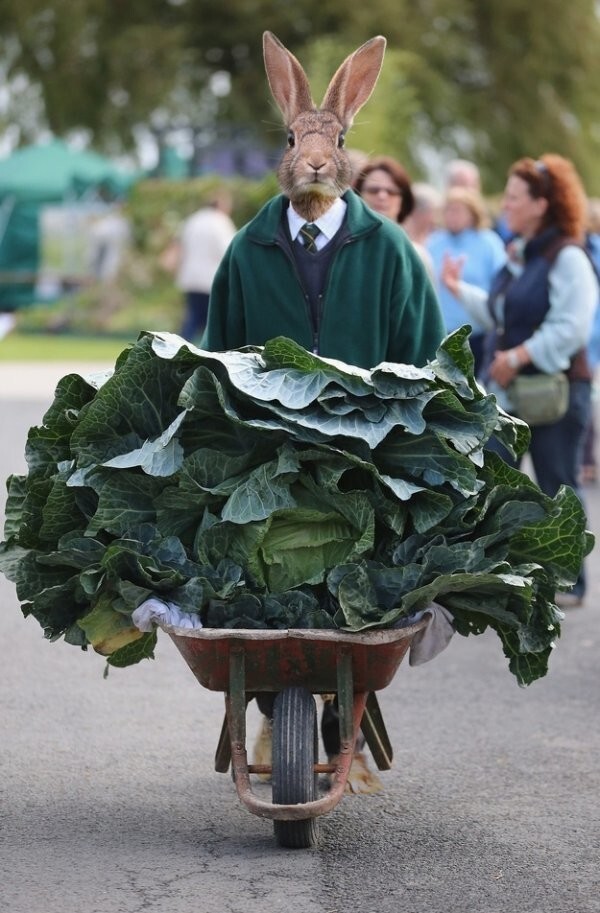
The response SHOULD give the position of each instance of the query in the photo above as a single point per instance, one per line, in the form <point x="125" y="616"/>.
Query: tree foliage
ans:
<point x="486" y="79"/>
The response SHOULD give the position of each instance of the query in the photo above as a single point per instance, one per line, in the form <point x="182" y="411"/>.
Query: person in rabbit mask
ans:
<point x="358" y="292"/>
<point x="318" y="265"/>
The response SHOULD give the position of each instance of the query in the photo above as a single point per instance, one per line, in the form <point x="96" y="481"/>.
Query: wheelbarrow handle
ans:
<point x="351" y="709"/>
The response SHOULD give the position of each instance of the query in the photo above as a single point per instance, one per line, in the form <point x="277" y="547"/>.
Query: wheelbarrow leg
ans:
<point x="223" y="752"/>
<point x="372" y="725"/>
<point x="375" y="733"/>
<point x="235" y="703"/>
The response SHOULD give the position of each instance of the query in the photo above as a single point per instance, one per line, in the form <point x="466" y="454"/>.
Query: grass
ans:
<point x="55" y="347"/>
<point x="91" y="325"/>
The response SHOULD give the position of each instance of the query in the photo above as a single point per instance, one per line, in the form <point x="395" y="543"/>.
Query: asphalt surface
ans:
<point x="110" y="803"/>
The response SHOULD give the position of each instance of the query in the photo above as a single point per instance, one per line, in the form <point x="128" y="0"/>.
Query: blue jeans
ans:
<point x="556" y="450"/>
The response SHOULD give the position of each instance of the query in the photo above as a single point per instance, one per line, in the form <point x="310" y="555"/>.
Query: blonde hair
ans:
<point x="472" y="200"/>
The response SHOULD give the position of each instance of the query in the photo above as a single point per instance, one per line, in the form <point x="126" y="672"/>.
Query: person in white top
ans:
<point x="426" y="215"/>
<point x="202" y="242"/>
<point x="110" y="235"/>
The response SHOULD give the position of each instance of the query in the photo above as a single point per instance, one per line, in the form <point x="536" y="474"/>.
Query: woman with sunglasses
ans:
<point x="386" y="188"/>
<point x="540" y="310"/>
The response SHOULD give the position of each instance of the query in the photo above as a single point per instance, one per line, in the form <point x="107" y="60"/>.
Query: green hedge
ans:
<point x="157" y="207"/>
<point x="145" y="297"/>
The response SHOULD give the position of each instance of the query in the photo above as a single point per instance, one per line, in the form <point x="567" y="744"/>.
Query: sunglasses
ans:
<point x="374" y="189"/>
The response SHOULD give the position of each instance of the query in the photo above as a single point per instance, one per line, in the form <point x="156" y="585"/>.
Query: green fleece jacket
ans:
<point x="378" y="303"/>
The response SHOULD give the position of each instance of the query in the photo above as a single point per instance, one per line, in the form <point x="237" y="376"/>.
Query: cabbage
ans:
<point x="270" y="487"/>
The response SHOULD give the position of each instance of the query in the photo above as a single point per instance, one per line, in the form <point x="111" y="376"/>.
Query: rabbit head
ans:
<point x="315" y="169"/>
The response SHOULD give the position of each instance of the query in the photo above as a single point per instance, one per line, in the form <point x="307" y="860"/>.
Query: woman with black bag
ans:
<point x="539" y="314"/>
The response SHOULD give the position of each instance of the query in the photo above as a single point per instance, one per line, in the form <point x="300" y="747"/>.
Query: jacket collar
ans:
<point x="265" y="226"/>
<point x="329" y="223"/>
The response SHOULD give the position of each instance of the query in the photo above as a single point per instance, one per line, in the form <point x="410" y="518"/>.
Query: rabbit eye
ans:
<point x="291" y="140"/>
<point x="341" y="141"/>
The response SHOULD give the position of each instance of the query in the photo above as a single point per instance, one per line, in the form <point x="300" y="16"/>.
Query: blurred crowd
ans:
<point x="526" y="281"/>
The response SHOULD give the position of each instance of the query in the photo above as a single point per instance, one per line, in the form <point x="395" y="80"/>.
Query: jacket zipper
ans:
<point x="321" y="299"/>
<point x="318" y="326"/>
<point x="315" y="329"/>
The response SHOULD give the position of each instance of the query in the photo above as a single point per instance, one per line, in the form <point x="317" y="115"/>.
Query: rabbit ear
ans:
<point x="287" y="79"/>
<point x="354" y="81"/>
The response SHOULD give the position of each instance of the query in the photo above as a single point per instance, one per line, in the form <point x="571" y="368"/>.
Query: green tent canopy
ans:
<point x="37" y="176"/>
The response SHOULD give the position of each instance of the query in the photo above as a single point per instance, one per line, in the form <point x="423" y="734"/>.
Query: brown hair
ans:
<point x="555" y="178"/>
<point x="399" y="177"/>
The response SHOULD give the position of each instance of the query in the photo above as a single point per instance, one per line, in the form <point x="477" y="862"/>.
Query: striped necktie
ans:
<point x="309" y="232"/>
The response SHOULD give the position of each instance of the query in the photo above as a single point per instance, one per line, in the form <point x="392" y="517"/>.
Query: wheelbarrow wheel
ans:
<point x="295" y="752"/>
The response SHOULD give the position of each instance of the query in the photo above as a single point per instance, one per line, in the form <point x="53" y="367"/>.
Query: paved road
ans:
<point x="110" y="803"/>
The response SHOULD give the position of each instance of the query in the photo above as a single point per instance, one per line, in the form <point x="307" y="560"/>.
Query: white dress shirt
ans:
<point x="329" y="223"/>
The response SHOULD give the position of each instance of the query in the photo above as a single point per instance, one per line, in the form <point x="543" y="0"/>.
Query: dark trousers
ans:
<point x="589" y="445"/>
<point x="477" y="346"/>
<point x="330" y="723"/>
<point x="196" y="311"/>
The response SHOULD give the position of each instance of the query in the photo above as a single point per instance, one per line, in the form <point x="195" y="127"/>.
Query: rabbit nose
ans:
<point x="316" y="166"/>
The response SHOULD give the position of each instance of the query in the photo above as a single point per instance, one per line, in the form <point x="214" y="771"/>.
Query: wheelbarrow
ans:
<point x="296" y="665"/>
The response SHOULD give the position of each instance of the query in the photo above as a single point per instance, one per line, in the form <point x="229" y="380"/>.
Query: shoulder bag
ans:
<point x="540" y="399"/>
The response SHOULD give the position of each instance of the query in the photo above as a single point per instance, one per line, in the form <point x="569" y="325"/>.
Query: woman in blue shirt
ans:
<point x="480" y="251"/>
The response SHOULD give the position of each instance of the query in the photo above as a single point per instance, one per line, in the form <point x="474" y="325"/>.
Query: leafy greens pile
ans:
<point x="269" y="487"/>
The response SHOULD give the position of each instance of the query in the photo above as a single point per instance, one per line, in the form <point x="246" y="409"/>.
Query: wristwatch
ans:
<point x="513" y="359"/>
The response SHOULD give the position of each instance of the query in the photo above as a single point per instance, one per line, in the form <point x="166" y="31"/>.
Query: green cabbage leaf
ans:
<point x="268" y="487"/>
